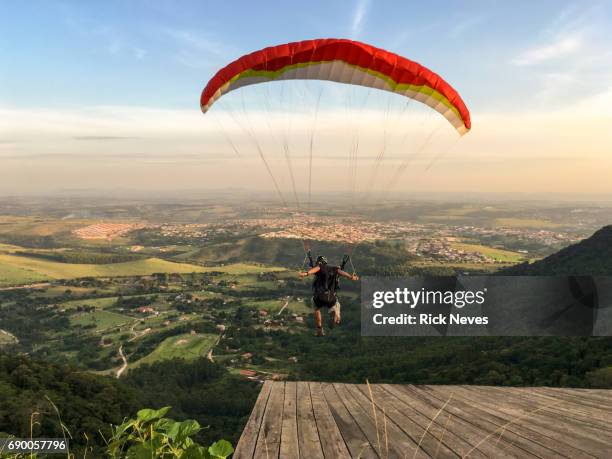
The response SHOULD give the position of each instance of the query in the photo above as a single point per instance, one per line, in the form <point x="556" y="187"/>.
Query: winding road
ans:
<point x="125" y="362"/>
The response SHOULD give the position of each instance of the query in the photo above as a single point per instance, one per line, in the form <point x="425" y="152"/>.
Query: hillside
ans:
<point x="590" y="257"/>
<point x="86" y="403"/>
<point x="290" y="253"/>
<point x="89" y="403"/>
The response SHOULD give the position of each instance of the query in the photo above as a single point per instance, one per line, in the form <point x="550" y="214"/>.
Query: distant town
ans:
<point x="439" y="242"/>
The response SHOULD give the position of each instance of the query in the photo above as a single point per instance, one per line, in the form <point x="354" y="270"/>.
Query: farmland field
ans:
<point x="185" y="346"/>
<point x="526" y="223"/>
<point x="12" y="275"/>
<point x="19" y="269"/>
<point x="101" y="319"/>
<point x="491" y="252"/>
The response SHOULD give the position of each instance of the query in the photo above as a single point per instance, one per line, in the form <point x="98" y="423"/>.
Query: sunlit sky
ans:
<point x="105" y="95"/>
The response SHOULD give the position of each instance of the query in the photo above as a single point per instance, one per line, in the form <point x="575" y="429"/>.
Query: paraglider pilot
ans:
<point x="324" y="291"/>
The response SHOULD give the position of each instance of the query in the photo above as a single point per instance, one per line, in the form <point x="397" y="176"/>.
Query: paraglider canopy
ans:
<point x="343" y="61"/>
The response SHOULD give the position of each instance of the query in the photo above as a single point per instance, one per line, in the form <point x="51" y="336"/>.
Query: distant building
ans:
<point x="248" y="373"/>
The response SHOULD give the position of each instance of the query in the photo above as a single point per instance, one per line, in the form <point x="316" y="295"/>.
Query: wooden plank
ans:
<point x="319" y="420"/>
<point x="289" y="434"/>
<point x="579" y="435"/>
<point x="511" y="444"/>
<point x="398" y="443"/>
<point x="587" y="404"/>
<point x="332" y="443"/>
<point x="469" y="432"/>
<point x="308" y="435"/>
<point x="268" y="440"/>
<point x="442" y="428"/>
<point x="593" y="417"/>
<point x="513" y="424"/>
<point x="552" y="440"/>
<point x="602" y="397"/>
<point x="355" y="438"/>
<point x="248" y="439"/>
<point x="398" y="434"/>
<point x="431" y="435"/>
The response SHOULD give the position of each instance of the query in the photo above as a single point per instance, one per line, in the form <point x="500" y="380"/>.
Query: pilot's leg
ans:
<point x="334" y="315"/>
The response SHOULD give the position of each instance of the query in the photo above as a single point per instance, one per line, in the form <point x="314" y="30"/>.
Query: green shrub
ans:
<point x="151" y="435"/>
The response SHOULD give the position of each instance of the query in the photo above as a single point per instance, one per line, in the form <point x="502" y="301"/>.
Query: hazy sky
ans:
<point x="106" y="95"/>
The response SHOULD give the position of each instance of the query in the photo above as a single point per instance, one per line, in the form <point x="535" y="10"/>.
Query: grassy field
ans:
<point x="184" y="346"/>
<point x="20" y="270"/>
<point x="98" y="303"/>
<point x="505" y="256"/>
<point x="59" y="290"/>
<point x="526" y="223"/>
<point x="101" y="319"/>
<point x="490" y="267"/>
<point x="36" y="226"/>
<point x="13" y="275"/>
<point x="273" y="306"/>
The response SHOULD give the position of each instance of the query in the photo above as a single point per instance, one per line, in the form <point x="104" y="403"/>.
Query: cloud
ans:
<point x="570" y="60"/>
<point x="561" y="47"/>
<point x="139" y="53"/>
<point x="197" y="50"/>
<point x="195" y="40"/>
<point x="122" y="145"/>
<point x="465" y="24"/>
<point x="359" y="15"/>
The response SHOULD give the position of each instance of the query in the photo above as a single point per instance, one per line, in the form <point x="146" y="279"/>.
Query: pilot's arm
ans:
<point x="352" y="277"/>
<point x="311" y="271"/>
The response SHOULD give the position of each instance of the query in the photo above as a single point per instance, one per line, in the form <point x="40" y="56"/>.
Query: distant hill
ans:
<point x="592" y="256"/>
<point x="289" y="253"/>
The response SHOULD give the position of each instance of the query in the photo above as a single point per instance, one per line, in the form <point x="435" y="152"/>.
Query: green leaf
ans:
<point x="173" y="429"/>
<point x="221" y="449"/>
<point x="195" y="452"/>
<point x="140" y="451"/>
<point x="119" y="430"/>
<point x="148" y="414"/>
<point x="187" y="428"/>
<point x="164" y="424"/>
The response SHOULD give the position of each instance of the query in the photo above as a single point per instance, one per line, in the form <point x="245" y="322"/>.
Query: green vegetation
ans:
<point x="526" y="223"/>
<point x="16" y="269"/>
<point x="184" y="346"/>
<point x="14" y="275"/>
<point x="80" y="256"/>
<point x="99" y="320"/>
<point x="57" y="270"/>
<point x="151" y="434"/>
<point x="505" y="256"/>
<point x="86" y="403"/>
<point x="590" y="257"/>
<point x="101" y="298"/>
<point x="290" y="253"/>
<point x="200" y="390"/>
<point x="51" y="399"/>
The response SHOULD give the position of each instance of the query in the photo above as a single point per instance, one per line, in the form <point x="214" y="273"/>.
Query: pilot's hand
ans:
<point x="303" y="274"/>
<point x="355" y="277"/>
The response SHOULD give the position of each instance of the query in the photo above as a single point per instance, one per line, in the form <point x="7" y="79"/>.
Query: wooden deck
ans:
<point x="323" y="420"/>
